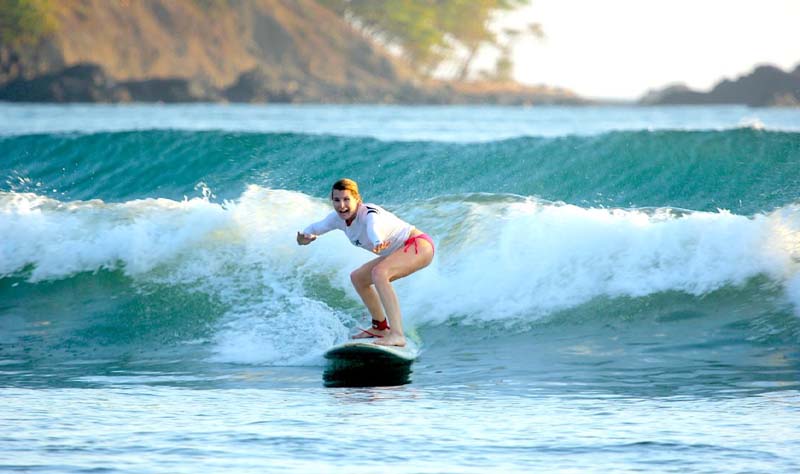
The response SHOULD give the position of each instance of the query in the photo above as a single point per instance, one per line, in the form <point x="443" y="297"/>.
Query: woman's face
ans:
<point x="344" y="203"/>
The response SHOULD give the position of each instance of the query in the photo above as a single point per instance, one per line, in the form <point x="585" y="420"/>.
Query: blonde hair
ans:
<point x="345" y="184"/>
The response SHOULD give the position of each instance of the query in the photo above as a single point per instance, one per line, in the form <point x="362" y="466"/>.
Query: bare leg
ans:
<point x="395" y="266"/>
<point x="362" y="282"/>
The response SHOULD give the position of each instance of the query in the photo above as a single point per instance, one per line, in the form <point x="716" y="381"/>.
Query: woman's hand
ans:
<point x="380" y="247"/>
<point x="305" y="239"/>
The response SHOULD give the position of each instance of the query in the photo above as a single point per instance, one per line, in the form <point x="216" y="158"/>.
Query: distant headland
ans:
<point x="765" y="86"/>
<point x="288" y="51"/>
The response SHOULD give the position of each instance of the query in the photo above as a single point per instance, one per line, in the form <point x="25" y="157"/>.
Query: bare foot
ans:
<point x="392" y="339"/>
<point x="370" y="333"/>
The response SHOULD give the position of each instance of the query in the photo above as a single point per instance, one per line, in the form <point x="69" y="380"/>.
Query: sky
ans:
<point x="618" y="49"/>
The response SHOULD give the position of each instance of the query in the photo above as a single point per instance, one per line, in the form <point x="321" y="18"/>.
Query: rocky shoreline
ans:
<point x="89" y="82"/>
<point x="766" y="86"/>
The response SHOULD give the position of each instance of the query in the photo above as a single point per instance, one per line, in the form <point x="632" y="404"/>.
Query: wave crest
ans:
<point x="500" y="258"/>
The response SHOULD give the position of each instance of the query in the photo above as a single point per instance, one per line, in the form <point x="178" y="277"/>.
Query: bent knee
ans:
<point x="379" y="273"/>
<point x="360" y="278"/>
<point x="355" y="278"/>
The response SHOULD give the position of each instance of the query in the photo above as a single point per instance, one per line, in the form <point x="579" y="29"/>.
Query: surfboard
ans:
<point x="368" y="350"/>
<point x="366" y="364"/>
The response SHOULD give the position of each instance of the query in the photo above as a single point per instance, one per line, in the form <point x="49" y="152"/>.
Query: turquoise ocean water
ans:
<point x="616" y="289"/>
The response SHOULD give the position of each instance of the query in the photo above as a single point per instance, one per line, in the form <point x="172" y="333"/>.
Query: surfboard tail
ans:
<point x="365" y="364"/>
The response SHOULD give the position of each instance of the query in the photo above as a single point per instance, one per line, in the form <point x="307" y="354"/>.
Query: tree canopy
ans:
<point x="429" y="32"/>
<point x="24" y="21"/>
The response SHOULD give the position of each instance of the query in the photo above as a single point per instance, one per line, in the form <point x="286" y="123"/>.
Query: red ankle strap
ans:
<point x="380" y="325"/>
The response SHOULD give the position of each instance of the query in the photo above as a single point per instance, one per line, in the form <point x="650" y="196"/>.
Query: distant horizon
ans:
<point x="621" y="49"/>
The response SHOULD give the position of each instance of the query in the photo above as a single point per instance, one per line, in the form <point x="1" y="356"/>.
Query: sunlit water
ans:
<point x="590" y="308"/>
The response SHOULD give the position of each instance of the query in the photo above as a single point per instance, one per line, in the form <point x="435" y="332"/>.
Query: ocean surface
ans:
<point x="615" y="289"/>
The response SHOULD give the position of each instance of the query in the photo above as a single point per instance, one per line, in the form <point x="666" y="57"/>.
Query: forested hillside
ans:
<point x="242" y="50"/>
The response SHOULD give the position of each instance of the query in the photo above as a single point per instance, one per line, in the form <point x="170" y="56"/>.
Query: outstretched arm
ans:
<point x="305" y="239"/>
<point x="310" y="233"/>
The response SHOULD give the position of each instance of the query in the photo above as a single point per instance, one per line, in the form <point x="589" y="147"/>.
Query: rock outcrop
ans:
<point x="238" y="51"/>
<point x="766" y="86"/>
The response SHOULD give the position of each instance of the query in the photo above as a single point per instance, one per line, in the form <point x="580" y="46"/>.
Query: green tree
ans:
<point x="410" y="24"/>
<point x="25" y="21"/>
<point x="428" y="31"/>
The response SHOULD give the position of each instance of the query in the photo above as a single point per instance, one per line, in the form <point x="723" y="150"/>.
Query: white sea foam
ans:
<point x="497" y="259"/>
<point x="530" y="258"/>
<point x="61" y="239"/>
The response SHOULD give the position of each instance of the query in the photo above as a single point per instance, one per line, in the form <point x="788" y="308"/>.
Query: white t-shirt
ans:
<point x="371" y="226"/>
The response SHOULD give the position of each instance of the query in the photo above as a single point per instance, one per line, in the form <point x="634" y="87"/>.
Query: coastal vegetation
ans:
<point x="391" y="51"/>
<point x="430" y="33"/>
<point x="425" y="33"/>
<point x="25" y="21"/>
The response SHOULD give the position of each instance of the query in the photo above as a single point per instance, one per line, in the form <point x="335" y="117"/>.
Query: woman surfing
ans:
<point x="402" y="249"/>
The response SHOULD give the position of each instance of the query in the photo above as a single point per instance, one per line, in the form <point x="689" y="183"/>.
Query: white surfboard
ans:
<point x="366" y="350"/>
